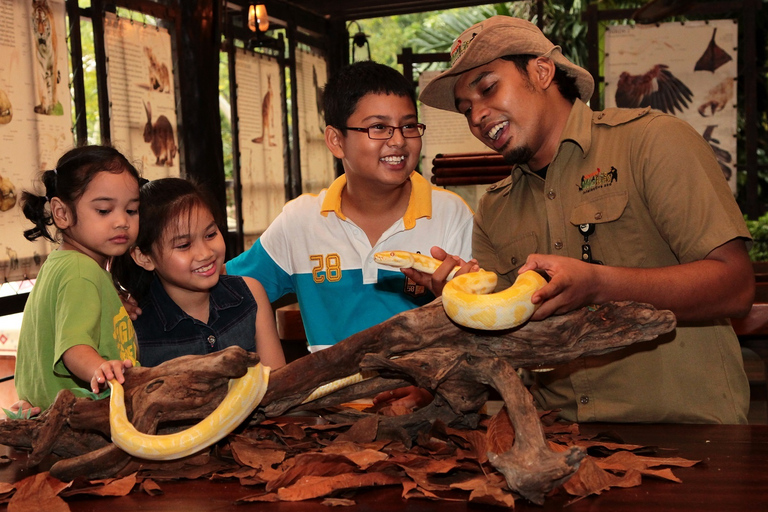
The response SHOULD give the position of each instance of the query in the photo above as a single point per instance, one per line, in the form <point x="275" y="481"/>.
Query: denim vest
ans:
<point x="164" y="331"/>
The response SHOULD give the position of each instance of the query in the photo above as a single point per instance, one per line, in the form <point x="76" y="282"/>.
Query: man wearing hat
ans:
<point x="623" y="204"/>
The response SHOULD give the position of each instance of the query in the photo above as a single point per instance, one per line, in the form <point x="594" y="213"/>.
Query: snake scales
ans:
<point x="466" y="299"/>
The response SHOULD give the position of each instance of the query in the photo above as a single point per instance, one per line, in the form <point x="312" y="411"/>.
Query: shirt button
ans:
<point x="513" y="260"/>
<point x="600" y="115"/>
<point x="584" y="399"/>
<point x="551" y="194"/>
<point x="212" y="340"/>
<point x="558" y="245"/>
<point x="598" y="215"/>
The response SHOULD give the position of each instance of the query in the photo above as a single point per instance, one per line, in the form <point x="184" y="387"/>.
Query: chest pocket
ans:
<point x="601" y="209"/>
<point x="512" y="256"/>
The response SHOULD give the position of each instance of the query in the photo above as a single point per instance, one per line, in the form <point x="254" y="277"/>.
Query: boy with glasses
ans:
<point x="321" y="246"/>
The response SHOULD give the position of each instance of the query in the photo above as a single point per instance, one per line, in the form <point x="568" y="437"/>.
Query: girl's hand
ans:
<point x="109" y="370"/>
<point x="24" y="406"/>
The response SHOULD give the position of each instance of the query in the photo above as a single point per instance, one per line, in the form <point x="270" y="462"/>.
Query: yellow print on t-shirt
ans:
<point x="326" y="267"/>
<point x="124" y="335"/>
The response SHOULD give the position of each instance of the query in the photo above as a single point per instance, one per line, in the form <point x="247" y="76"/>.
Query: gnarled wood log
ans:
<point x="421" y="346"/>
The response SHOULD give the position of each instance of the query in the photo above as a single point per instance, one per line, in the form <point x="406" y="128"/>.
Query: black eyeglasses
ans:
<point x="384" y="132"/>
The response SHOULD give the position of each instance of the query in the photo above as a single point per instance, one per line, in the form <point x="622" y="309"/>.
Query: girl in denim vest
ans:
<point x="186" y="306"/>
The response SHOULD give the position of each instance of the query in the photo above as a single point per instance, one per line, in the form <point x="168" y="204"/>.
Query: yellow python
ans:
<point x="244" y="395"/>
<point x="467" y="299"/>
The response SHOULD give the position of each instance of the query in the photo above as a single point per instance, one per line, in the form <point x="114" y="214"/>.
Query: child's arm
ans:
<point x="267" y="341"/>
<point x="84" y="362"/>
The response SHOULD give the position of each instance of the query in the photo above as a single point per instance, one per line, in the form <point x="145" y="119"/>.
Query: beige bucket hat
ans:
<point x="489" y="40"/>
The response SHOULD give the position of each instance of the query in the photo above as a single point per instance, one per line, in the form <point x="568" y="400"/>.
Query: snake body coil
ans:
<point x="242" y="398"/>
<point x="467" y="299"/>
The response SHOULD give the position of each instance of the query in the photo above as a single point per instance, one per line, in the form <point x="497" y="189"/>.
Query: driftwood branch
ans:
<point x="421" y="346"/>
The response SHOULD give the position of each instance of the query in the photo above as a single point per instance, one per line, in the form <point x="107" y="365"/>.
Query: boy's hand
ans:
<point x="107" y="371"/>
<point x="435" y="282"/>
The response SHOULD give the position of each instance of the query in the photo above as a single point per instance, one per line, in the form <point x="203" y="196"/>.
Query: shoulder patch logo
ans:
<point x="598" y="179"/>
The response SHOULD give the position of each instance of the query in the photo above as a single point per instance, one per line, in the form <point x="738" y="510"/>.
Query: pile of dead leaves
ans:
<point x="302" y="458"/>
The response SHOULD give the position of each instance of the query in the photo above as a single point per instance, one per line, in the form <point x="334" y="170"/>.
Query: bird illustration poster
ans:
<point x="260" y="137"/>
<point x="317" y="170"/>
<point x="142" y="100"/>
<point x="35" y="124"/>
<point x="685" y="69"/>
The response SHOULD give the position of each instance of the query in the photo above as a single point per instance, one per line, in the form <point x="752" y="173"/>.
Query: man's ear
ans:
<point x="142" y="260"/>
<point x="544" y="71"/>
<point x="334" y="140"/>
<point x="62" y="215"/>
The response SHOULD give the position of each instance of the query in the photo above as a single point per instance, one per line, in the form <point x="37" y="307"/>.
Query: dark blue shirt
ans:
<point x="164" y="331"/>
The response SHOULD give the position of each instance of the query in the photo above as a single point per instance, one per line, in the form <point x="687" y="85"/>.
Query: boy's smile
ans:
<point x="380" y="162"/>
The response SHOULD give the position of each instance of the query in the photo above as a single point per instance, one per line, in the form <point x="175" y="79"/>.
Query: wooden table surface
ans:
<point x="733" y="475"/>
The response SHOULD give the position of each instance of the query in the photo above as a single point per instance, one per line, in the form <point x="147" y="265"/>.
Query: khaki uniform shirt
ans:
<point x="656" y="194"/>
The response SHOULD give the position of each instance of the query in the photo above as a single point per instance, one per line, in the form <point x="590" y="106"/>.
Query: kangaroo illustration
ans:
<point x="267" y="122"/>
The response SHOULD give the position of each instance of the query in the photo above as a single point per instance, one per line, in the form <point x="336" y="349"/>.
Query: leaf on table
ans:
<point x="309" y="487"/>
<point x="267" y="497"/>
<point x="106" y="487"/>
<point x="489" y="494"/>
<point x="39" y="492"/>
<point x="312" y="464"/>
<point x="412" y="490"/>
<point x="366" y="458"/>
<point x="151" y="487"/>
<point x="362" y="431"/>
<point x="263" y="460"/>
<point x="338" y="502"/>
<point x="501" y="435"/>
<point x="591" y="479"/>
<point x="625" y="460"/>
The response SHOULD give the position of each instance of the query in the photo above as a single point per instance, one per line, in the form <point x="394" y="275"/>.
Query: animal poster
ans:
<point x="35" y="124"/>
<point x="448" y="133"/>
<point x="317" y="170"/>
<point x="685" y="69"/>
<point x="141" y="95"/>
<point x="260" y="131"/>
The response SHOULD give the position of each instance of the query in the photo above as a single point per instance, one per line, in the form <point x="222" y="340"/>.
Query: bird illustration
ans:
<point x="658" y="88"/>
<point x="713" y="57"/>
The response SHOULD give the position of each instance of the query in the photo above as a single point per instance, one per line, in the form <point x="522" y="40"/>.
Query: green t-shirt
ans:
<point x="72" y="303"/>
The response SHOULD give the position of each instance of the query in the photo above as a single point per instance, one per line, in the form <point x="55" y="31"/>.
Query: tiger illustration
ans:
<point x="47" y="76"/>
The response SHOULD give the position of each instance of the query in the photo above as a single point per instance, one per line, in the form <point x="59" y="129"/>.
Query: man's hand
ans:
<point x="435" y="282"/>
<point x="572" y="284"/>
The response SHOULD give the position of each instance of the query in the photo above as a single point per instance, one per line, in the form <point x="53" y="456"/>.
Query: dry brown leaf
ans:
<point x="151" y="487"/>
<point x="591" y="479"/>
<point x="291" y="431"/>
<point x="338" y="502"/>
<point x="260" y="459"/>
<point x="362" y="431"/>
<point x="366" y="458"/>
<point x="312" y="464"/>
<point x="317" y="486"/>
<point x="501" y="434"/>
<point x="106" y="487"/>
<point x="492" y="495"/>
<point x="495" y="479"/>
<point x="38" y="492"/>
<point x="625" y="460"/>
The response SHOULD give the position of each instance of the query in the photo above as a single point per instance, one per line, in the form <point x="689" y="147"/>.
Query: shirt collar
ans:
<point x="419" y="204"/>
<point x="170" y="314"/>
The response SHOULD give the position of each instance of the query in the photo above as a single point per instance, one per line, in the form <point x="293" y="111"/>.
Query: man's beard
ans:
<point x="518" y="155"/>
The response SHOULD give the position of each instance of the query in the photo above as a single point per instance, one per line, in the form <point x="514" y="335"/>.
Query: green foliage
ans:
<point x="17" y="415"/>
<point x="759" y="230"/>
